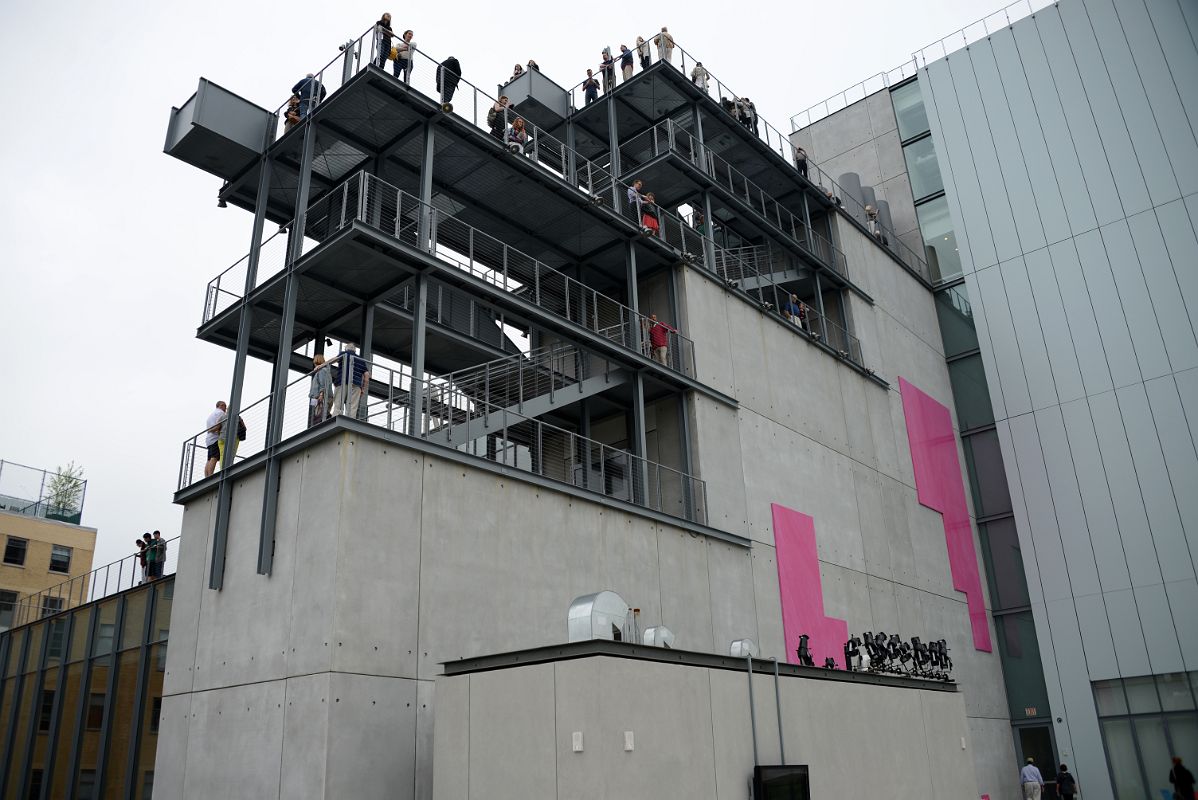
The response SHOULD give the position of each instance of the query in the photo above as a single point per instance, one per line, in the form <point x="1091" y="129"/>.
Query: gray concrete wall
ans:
<point x="819" y="437"/>
<point x="508" y="734"/>
<point x="1067" y="149"/>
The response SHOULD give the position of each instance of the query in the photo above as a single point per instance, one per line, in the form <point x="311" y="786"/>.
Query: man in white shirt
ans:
<point x="212" y="436"/>
<point x="1031" y="780"/>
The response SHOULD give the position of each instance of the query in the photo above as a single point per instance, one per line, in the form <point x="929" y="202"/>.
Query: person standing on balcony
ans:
<point x="659" y="340"/>
<point x="151" y="555"/>
<point x="699" y="76"/>
<point x="517" y="136"/>
<point x="320" y="391"/>
<point x="291" y="116"/>
<point x="590" y="88"/>
<point x="382" y="41"/>
<point x="159" y="546"/>
<point x="351" y="382"/>
<point x="533" y="66"/>
<point x="140" y="555"/>
<point x="626" y="62"/>
<point x="517" y="71"/>
<point x="607" y="67"/>
<point x="449" y="72"/>
<point x="405" y="54"/>
<point x="801" y="161"/>
<point x="642" y="50"/>
<point x="751" y="116"/>
<point x="635" y="198"/>
<point x="496" y="117"/>
<point x="212" y="436"/>
<point x="649" y="223"/>
<point x="310" y="92"/>
<point x="665" y="46"/>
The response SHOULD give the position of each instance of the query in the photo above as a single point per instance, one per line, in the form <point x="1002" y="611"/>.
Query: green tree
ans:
<point x="65" y="488"/>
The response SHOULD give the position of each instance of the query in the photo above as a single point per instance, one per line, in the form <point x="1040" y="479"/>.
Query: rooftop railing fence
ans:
<point x="35" y="492"/>
<point x="669" y="135"/>
<point x="122" y="574"/>
<point x="449" y="415"/>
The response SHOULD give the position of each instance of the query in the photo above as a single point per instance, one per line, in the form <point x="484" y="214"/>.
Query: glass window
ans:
<point x="46" y="711"/>
<point x="14" y="551"/>
<point x="1141" y="695"/>
<point x="87" y="785"/>
<point x="8" y="602"/>
<point x="95" y="711"/>
<point x="155" y="714"/>
<point x="939" y="238"/>
<point x="1023" y="673"/>
<point x="923" y="169"/>
<point x="971" y="393"/>
<point x="956" y="321"/>
<point x="51" y="606"/>
<point x="1108" y="695"/>
<point x="104" y="632"/>
<point x="1175" y="692"/>
<point x="58" y="639"/>
<point x="1121" y="755"/>
<point x="147" y="786"/>
<point x="909" y="111"/>
<point x="987" y="478"/>
<point x="1004" y="564"/>
<point x="1154" y="751"/>
<point x="60" y="559"/>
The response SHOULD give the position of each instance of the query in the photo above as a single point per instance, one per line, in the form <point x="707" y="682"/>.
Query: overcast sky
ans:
<point x="108" y="244"/>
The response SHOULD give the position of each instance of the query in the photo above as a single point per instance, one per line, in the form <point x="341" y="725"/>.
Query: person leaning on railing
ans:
<point x="496" y="121"/>
<point x="404" y="57"/>
<point x="320" y="391"/>
<point x="665" y="45"/>
<point x="351" y="378"/>
<point x="659" y="339"/>
<point x="382" y="41"/>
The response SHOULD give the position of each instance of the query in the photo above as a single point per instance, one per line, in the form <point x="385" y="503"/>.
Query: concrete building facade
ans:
<point x="1063" y="150"/>
<point x="766" y="472"/>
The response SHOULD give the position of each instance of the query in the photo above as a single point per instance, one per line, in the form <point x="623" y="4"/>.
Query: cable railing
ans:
<point x="35" y="492"/>
<point x="122" y="574"/>
<point x="854" y="94"/>
<point x="978" y="30"/>
<point x="669" y="135"/>
<point x="453" y="417"/>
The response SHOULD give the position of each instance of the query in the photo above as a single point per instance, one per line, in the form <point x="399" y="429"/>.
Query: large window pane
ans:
<point x="923" y="169"/>
<point x="939" y="239"/>
<point x="1121" y="755"/>
<point x="8" y="601"/>
<point x="1004" y="565"/>
<point x="1175" y="692"/>
<point x="1154" y="754"/>
<point x="1022" y="671"/>
<point x="956" y="321"/>
<point x="1108" y="696"/>
<point x="909" y="110"/>
<point x="1183" y="732"/>
<point x="1141" y="695"/>
<point x="971" y="394"/>
<point x="988" y="479"/>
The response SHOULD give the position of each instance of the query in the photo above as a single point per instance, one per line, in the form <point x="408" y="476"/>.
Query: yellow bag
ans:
<point x="394" y="54"/>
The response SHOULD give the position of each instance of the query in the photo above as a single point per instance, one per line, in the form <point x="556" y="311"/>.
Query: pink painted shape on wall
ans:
<point x="802" y="591"/>
<point x="939" y="486"/>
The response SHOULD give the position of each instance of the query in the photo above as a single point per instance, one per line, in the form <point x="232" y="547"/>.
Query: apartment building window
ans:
<point x="51" y="606"/>
<point x="95" y="711"/>
<point x="46" y="711"/>
<point x="60" y="559"/>
<point x="87" y="785"/>
<point x="1145" y="721"/>
<point x="8" y="605"/>
<point x="14" y="551"/>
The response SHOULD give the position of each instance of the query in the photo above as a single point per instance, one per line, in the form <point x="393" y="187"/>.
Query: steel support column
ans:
<point x="708" y="233"/>
<point x="425" y="228"/>
<point x="571" y="156"/>
<point x="633" y="292"/>
<point x="367" y="336"/>
<point x="613" y="143"/>
<point x="278" y="399"/>
<point x="640" y="474"/>
<point x="419" y="327"/>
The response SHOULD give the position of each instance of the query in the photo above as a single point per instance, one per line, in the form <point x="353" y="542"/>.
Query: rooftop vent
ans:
<point x="743" y="648"/>
<point x="602" y="615"/>
<point x="659" y="636"/>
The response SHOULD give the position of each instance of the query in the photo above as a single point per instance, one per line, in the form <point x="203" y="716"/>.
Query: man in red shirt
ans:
<point x="659" y="339"/>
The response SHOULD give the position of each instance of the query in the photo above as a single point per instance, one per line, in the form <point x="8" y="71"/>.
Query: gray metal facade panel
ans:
<point x="1045" y="533"/>
<point x="1099" y="94"/>
<point x="1160" y="276"/>
<point x="1083" y="322"/>
<point x="1125" y="618"/>
<point x="1002" y="341"/>
<point x="1076" y="206"/>
<point x="1181" y="459"/>
<point x="1184" y="595"/>
<point x="1176" y="44"/>
<point x="1020" y="199"/>
<point x="1079" y="118"/>
<point x="1164" y="522"/>
<point x="1135" y="301"/>
<point x="1125" y="491"/>
<point x="1095" y="628"/>
<point x="1082" y="572"/>
<point x="1160" y="633"/>
<point x="1062" y="354"/>
<point x="1177" y="228"/>
<point x="997" y="403"/>
<point x="1167" y="88"/>
<point x="1031" y="157"/>
<point x="1096" y="496"/>
<point x="1031" y="569"/>
<point x="1108" y="308"/>
<point x="952" y="147"/>
<point x="1130" y="92"/>
<point x="1028" y="336"/>
<point x="1076" y="696"/>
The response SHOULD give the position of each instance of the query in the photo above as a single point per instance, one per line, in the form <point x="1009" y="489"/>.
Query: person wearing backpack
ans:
<point x="1066" y="783"/>
<point x="220" y="442"/>
<point x="495" y="117"/>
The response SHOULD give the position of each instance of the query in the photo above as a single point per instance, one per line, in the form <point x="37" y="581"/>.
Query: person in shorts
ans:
<point x="212" y="436"/>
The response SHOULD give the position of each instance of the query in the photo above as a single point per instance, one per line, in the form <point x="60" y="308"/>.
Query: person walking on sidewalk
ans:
<point x="1031" y="781"/>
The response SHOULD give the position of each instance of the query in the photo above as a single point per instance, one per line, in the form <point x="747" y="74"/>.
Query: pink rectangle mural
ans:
<point x="939" y="487"/>
<point x="801" y="589"/>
